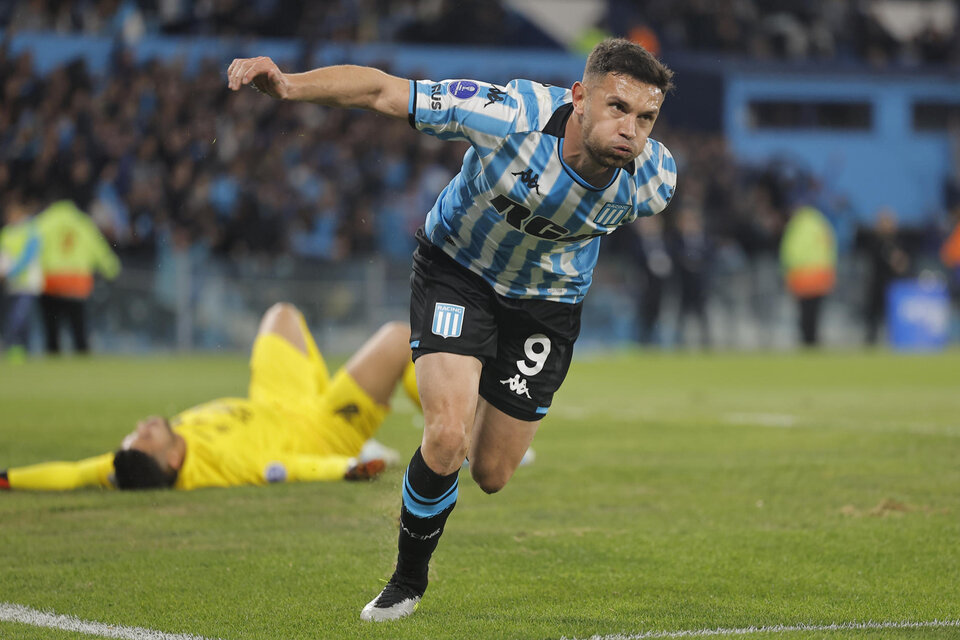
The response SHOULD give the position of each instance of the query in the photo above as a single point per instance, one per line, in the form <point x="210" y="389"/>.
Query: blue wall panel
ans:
<point x="889" y="165"/>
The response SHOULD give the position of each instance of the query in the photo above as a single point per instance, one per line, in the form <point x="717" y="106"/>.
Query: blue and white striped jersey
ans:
<point x="516" y="214"/>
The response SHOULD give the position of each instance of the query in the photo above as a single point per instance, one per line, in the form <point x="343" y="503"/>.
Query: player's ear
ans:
<point x="579" y="97"/>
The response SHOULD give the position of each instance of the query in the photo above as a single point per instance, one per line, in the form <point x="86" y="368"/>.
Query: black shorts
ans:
<point x="525" y="345"/>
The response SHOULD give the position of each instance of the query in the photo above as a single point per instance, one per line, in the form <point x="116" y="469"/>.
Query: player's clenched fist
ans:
<point x="261" y="72"/>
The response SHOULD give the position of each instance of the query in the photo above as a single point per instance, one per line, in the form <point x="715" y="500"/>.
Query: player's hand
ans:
<point x="262" y="73"/>
<point x="365" y="470"/>
<point x="4" y="482"/>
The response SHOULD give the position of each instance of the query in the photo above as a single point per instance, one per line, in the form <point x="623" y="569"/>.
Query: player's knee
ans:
<point x="285" y="320"/>
<point x="398" y="330"/>
<point x="448" y="438"/>
<point x="451" y="441"/>
<point x="489" y="480"/>
<point x="281" y="311"/>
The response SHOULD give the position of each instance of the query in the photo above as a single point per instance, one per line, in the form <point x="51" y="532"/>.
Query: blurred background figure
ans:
<point x="655" y="266"/>
<point x="20" y="271"/>
<point x="808" y="256"/>
<point x="691" y="256"/>
<point x="74" y="250"/>
<point x="950" y="256"/>
<point x="888" y="261"/>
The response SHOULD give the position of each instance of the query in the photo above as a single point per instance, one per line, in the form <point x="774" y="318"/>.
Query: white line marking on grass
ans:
<point x="25" y="615"/>
<point x="780" y="628"/>
<point x="784" y="420"/>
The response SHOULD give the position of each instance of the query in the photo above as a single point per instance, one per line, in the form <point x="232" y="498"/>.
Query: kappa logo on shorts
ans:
<point x="348" y="411"/>
<point x="518" y="385"/>
<point x="447" y="320"/>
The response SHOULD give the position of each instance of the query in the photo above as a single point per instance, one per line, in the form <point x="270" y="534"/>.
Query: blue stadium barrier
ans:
<point x="918" y="315"/>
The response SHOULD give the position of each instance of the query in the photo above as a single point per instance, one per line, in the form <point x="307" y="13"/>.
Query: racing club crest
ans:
<point x="447" y="320"/>
<point x="611" y="213"/>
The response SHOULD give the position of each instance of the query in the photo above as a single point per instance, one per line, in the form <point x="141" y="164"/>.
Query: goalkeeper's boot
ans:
<point x="365" y="470"/>
<point x="373" y="449"/>
<point x="397" y="600"/>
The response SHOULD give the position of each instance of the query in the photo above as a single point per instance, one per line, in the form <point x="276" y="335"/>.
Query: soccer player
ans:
<point x="505" y="257"/>
<point x="20" y="271"/>
<point x="297" y="425"/>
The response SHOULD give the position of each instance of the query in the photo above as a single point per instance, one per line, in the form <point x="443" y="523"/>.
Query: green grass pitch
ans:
<point x="670" y="492"/>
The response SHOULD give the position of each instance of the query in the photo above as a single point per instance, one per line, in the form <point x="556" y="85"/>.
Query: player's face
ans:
<point x="153" y="436"/>
<point x="618" y="112"/>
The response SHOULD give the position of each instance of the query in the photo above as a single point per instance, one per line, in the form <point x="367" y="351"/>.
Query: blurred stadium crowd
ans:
<point x="874" y="31"/>
<point x="154" y="153"/>
<point x="158" y="156"/>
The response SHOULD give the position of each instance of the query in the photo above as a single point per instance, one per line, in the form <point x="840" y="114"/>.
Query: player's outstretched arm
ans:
<point x="346" y="86"/>
<point x="62" y="476"/>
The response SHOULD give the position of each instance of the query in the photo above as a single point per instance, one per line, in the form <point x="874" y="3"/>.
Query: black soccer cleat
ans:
<point x="396" y="601"/>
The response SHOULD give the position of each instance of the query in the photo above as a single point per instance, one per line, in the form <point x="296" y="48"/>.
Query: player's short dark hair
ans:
<point x="134" y="469"/>
<point x="621" y="56"/>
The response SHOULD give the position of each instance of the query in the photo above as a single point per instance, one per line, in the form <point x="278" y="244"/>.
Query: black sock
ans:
<point x="428" y="499"/>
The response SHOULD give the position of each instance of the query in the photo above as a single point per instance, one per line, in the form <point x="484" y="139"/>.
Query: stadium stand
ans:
<point x="163" y="158"/>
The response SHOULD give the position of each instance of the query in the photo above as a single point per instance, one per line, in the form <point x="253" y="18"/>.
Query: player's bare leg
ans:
<point x="378" y="365"/>
<point x="448" y="391"/>
<point x="497" y="447"/>
<point x="285" y="320"/>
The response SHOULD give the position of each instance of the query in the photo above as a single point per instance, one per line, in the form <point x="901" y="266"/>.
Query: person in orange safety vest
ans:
<point x="73" y="251"/>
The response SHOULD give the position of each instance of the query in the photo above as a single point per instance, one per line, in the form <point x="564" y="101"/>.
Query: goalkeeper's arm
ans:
<point x="61" y="476"/>
<point x="312" y="468"/>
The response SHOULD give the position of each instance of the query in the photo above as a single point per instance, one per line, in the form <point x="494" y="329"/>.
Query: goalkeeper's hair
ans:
<point x="136" y="470"/>
<point x="621" y="56"/>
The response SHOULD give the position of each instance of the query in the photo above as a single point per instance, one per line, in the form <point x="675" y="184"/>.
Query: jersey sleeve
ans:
<point x="661" y="181"/>
<point x="480" y="113"/>
<point x="307" y="468"/>
<point x="62" y="476"/>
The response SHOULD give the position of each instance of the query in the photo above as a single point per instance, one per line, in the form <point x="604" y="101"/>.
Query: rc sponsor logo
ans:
<point x="435" y="92"/>
<point x="464" y="89"/>
<point x="447" y="320"/>
<point x="518" y="385"/>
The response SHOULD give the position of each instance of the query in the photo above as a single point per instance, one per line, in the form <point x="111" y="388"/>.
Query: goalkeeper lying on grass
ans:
<point x="297" y="425"/>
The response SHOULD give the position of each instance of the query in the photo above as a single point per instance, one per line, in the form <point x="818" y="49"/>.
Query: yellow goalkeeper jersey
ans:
<point x="296" y="425"/>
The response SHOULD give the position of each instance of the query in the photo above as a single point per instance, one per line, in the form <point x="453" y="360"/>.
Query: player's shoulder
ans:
<point x="655" y="177"/>
<point x="537" y="101"/>
<point x="656" y="159"/>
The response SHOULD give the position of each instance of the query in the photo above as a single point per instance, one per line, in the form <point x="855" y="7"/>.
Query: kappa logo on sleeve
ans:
<point x="447" y="320"/>
<point x="495" y="95"/>
<point x="463" y="89"/>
